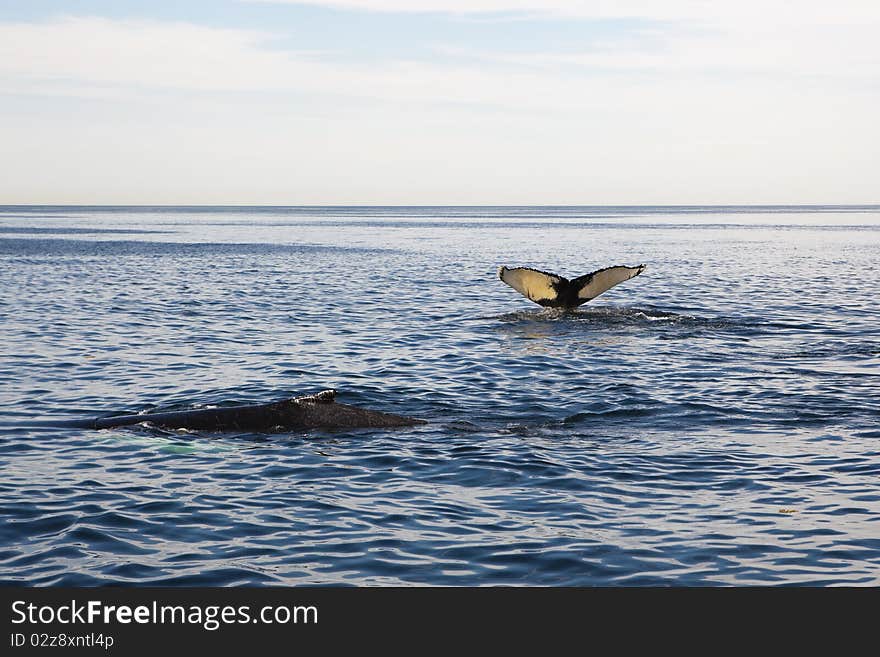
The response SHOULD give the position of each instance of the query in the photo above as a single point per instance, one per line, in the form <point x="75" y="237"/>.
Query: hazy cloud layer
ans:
<point x="755" y="104"/>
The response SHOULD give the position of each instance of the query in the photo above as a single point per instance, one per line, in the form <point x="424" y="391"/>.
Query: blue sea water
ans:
<point x="715" y="421"/>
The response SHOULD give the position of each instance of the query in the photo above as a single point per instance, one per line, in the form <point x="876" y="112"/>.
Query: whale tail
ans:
<point x="556" y="291"/>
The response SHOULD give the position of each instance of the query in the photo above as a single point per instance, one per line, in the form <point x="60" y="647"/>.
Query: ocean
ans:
<point x="714" y="421"/>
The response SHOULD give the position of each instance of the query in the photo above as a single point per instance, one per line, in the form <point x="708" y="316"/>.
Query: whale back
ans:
<point x="319" y="411"/>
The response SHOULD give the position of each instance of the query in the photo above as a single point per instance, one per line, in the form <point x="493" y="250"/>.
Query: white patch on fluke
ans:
<point x="531" y="283"/>
<point x="603" y="280"/>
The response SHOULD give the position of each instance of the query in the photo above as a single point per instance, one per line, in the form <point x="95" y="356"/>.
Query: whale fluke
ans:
<point x="319" y="411"/>
<point x="554" y="291"/>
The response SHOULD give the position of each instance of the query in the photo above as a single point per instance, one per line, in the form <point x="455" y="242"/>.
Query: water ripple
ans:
<point x="699" y="425"/>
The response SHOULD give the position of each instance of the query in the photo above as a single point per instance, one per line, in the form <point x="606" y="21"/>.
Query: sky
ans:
<point x="439" y="102"/>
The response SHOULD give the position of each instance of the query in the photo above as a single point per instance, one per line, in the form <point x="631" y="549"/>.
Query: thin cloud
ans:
<point x="644" y="113"/>
<point x="58" y="55"/>
<point x="782" y="12"/>
<point x="144" y="53"/>
<point x="130" y="56"/>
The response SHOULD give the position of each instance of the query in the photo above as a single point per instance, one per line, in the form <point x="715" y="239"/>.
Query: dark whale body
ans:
<point x="318" y="411"/>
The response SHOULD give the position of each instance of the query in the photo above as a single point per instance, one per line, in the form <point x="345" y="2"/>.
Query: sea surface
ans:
<point x="714" y="421"/>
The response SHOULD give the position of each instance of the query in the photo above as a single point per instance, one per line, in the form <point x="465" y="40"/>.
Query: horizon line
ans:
<point x="440" y="205"/>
